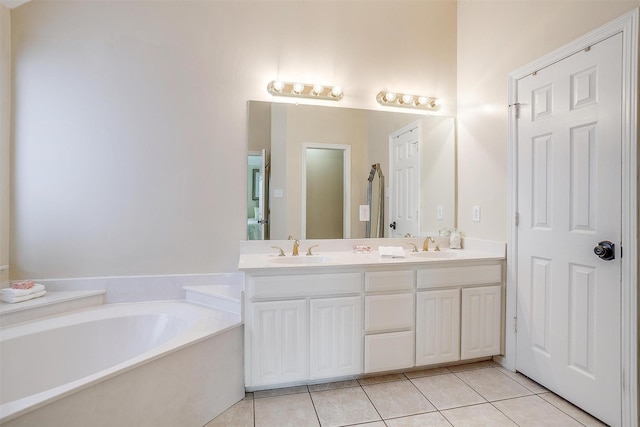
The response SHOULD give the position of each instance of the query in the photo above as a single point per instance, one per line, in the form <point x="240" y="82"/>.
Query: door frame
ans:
<point x="346" y="183"/>
<point x="626" y="24"/>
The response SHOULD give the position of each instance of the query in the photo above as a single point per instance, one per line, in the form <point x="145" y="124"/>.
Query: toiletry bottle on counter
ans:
<point x="454" y="240"/>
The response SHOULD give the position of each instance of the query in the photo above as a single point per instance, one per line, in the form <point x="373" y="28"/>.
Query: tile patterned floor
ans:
<point x="477" y="394"/>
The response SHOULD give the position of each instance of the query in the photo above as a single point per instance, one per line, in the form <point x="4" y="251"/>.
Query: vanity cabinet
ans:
<point x="329" y="323"/>
<point x="303" y="327"/>
<point x="461" y="321"/>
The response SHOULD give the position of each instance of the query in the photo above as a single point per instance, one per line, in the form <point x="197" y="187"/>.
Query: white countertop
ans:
<point x="330" y="259"/>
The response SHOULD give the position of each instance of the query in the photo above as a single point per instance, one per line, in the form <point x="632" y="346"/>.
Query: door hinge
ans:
<point x="517" y="107"/>
<point x="517" y="219"/>
<point x="515" y="324"/>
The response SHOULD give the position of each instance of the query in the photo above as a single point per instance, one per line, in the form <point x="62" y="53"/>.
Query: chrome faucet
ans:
<point x="425" y="245"/>
<point x="309" y="253"/>
<point x="280" y="249"/>
<point x="296" y="245"/>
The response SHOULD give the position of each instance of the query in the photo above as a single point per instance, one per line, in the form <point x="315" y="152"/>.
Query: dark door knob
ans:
<point x="605" y="250"/>
<point x="393" y="225"/>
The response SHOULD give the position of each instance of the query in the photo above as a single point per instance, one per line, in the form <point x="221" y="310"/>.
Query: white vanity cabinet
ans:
<point x="315" y="323"/>
<point x="456" y="317"/>
<point x="389" y="320"/>
<point x="302" y="327"/>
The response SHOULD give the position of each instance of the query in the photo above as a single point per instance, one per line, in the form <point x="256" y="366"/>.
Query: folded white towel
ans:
<point x="391" y="251"/>
<point x="22" y="292"/>
<point x="13" y="299"/>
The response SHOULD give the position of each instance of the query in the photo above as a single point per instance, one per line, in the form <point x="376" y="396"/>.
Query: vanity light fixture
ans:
<point x="406" y="100"/>
<point x="305" y="90"/>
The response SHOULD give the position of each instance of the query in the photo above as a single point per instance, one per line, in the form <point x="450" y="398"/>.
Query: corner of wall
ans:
<point x="5" y="140"/>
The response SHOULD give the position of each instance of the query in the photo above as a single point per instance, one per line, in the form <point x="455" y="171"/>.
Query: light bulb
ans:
<point x="435" y="103"/>
<point x="298" y="88"/>
<point x="423" y="100"/>
<point x="336" y="91"/>
<point x="389" y="96"/>
<point x="278" y="85"/>
<point x="406" y="99"/>
<point x="317" y="89"/>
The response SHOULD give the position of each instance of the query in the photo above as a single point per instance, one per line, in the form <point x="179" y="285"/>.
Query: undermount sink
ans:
<point x="302" y="259"/>
<point x="438" y="254"/>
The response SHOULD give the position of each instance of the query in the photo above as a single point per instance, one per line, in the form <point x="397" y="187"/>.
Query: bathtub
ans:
<point x="163" y="363"/>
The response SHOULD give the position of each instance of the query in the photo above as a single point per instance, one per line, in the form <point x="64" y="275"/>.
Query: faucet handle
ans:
<point x="280" y="249"/>
<point x="415" y="248"/>
<point x="309" y="253"/>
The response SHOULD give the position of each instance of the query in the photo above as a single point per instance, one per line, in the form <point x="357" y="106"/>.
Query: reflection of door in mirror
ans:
<point x="257" y="197"/>
<point x="325" y="191"/>
<point x="404" y="191"/>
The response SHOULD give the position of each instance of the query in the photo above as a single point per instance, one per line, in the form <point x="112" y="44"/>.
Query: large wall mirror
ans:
<point x="316" y="163"/>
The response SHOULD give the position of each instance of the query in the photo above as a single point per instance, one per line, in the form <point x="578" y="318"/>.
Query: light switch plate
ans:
<point x="278" y="192"/>
<point x="364" y="212"/>
<point x="440" y="213"/>
<point x="476" y="213"/>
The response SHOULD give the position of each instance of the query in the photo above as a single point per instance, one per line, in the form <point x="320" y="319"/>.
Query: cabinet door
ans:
<point x="279" y="342"/>
<point x="336" y="337"/>
<point x="437" y="326"/>
<point x="481" y="315"/>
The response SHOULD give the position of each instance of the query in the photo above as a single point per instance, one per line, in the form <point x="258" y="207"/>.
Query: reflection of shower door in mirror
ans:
<point x="326" y="184"/>
<point x="404" y="180"/>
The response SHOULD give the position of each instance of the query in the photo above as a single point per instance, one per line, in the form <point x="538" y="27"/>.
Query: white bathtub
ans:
<point x="157" y="363"/>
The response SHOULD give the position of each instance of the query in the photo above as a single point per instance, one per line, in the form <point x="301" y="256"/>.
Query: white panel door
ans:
<point x="404" y="181"/>
<point x="279" y="342"/>
<point x="480" y="324"/>
<point x="569" y="186"/>
<point x="336" y="337"/>
<point x="437" y="326"/>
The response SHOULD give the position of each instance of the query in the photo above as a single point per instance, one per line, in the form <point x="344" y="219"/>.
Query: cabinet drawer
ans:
<point x="388" y="281"/>
<point x="463" y="275"/>
<point x="388" y="312"/>
<point x="304" y="285"/>
<point x="386" y="352"/>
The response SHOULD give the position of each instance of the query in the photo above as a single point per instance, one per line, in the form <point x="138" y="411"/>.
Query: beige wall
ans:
<point x="495" y="38"/>
<point x="5" y="137"/>
<point x="130" y="117"/>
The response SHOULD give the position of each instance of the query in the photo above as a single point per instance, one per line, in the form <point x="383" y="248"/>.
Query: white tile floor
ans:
<point x="477" y="394"/>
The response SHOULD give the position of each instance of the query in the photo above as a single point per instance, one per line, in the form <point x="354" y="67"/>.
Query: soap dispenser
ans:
<point x="454" y="240"/>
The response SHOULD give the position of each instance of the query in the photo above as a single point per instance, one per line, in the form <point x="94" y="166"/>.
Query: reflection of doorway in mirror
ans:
<point x="325" y="212"/>
<point x="257" y="216"/>
<point x="404" y="180"/>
